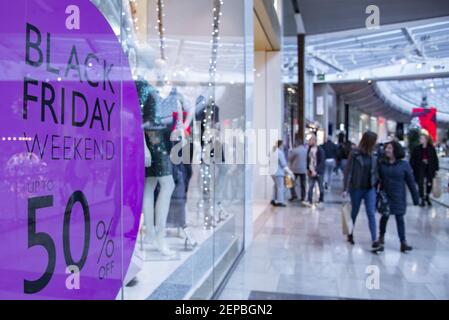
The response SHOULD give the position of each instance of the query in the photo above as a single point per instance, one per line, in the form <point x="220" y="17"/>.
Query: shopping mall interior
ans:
<point x="345" y="77"/>
<point x="125" y="106"/>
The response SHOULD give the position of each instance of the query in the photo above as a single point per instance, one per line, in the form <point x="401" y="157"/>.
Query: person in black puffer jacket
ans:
<point x="394" y="174"/>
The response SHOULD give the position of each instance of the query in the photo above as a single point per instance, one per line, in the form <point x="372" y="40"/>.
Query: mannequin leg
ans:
<point x="148" y="208"/>
<point x="167" y="186"/>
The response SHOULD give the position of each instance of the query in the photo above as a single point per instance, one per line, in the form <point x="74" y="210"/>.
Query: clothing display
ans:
<point x="169" y="105"/>
<point x="182" y="174"/>
<point x="157" y="136"/>
<point x="159" y="174"/>
<point x="149" y="99"/>
<point x="156" y="212"/>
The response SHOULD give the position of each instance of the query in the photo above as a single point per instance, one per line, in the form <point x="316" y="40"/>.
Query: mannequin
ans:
<point x="174" y="112"/>
<point x="157" y="161"/>
<point x="182" y="149"/>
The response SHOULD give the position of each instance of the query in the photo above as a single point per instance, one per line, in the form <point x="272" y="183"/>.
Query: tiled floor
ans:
<point x="260" y="295"/>
<point x="301" y="251"/>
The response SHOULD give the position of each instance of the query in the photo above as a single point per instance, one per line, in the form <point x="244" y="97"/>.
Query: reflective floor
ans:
<point x="301" y="251"/>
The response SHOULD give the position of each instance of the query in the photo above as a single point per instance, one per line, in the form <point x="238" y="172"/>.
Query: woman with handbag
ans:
<point x="394" y="174"/>
<point x="278" y="199"/>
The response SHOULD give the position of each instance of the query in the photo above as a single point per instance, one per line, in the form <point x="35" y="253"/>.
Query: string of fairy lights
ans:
<point x="206" y="203"/>
<point x="208" y="122"/>
<point x="161" y="29"/>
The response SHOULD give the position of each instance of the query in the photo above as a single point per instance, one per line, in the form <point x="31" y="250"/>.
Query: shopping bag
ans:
<point x="346" y="220"/>
<point x="288" y="181"/>
<point x="436" y="187"/>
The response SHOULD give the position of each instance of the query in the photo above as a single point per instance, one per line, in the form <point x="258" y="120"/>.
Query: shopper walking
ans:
<point x="344" y="149"/>
<point x="330" y="150"/>
<point x="425" y="164"/>
<point x="278" y="199"/>
<point x="394" y="174"/>
<point x="360" y="181"/>
<point x="298" y="164"/>
<point x="315" y="170"/>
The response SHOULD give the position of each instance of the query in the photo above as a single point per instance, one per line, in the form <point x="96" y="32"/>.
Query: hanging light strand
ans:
<point x="208" y="122"/>
<point x="160" y="27"/>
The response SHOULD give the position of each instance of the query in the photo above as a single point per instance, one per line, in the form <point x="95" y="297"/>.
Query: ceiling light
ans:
<point x="432" y="69"/>
<point x="432" y="90"/>
<point x="419" y="66"/>
<point x="403" y="61"/>
<point x="362" y="78"/>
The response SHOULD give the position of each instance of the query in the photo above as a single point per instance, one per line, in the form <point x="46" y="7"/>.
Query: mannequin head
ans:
<point x="161" y="72"/>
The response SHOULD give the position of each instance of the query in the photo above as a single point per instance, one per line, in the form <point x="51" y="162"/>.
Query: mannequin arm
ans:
<point x="147" y="153"/>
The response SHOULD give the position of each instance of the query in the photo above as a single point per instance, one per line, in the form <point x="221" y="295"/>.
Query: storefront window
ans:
<point x="114" y="177"/>
<point x="189" y="77"/>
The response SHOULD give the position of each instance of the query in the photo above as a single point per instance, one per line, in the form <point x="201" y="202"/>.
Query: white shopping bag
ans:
<point x="436" y="187"/>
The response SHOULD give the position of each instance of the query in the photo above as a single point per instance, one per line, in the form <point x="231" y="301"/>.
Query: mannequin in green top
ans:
<point x="158" y="169"/>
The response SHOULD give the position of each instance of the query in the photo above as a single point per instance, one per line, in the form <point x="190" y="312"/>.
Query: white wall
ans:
<point x="267" y="111"/>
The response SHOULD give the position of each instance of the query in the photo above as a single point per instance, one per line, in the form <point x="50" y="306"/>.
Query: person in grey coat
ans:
<point x="298" y="164"/>
<point x="395" y="173"/>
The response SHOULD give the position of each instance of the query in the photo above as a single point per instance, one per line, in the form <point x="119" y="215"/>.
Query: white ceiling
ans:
<point x="407" y="61"/>
<point x="324" y="16"/>
<point x="424" y="42"/>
